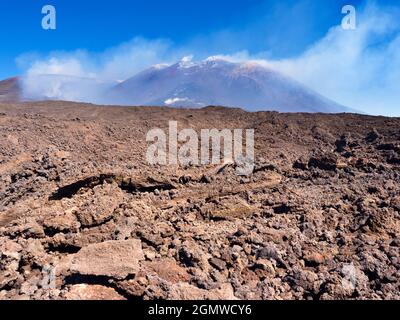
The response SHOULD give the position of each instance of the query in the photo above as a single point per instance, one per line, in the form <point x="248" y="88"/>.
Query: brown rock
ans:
<point x="184" y="291"/>
<point x="116" y="259"/>
<point x="61" y="223"/>
<point x="324" y="162"/>
<point x="100" y="207"/>
<point x="266" y="266"/>
<point x="218" y="264"/>
<point x="92" y="292"/>
<point x="168" y="270"/>
<point x="314" y="259"/>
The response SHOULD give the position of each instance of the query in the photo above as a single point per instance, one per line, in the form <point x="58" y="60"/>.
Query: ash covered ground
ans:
<point x="84" y="216"/>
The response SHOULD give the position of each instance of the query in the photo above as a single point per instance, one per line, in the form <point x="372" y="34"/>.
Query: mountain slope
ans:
<point x="9" y="90"/>
<point x="218" y="82"/>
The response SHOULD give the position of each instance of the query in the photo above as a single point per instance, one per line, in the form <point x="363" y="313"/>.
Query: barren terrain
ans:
<point x="83" y="216"/>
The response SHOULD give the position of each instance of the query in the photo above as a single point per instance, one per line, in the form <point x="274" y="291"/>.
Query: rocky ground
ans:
<point x="83" y="216"/>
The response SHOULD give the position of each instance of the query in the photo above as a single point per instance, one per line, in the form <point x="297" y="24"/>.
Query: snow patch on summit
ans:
<point x="187" y="62"/>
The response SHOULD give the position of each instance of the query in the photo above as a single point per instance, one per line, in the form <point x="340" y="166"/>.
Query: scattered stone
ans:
<point x="92" y="293"/>
<point x="341" y="144"/>
<point x="63" y="223"/>
<point x="326" y="162"/>
<point x="372" y="136"/>
<point x="218" y="264"/>
<point x="265" y="265"/>
<point x="301" y="164"/>
<point x="168" y="270"/>
<point x="268" y="252"/>
<point x="184" y="291"/>
<point x="115" y="259"/>
<point x="100" y="208"/>
<point x="314" y="259"/>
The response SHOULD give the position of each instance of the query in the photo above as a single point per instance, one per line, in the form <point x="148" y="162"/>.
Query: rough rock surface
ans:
<point x="114" y="259"/>
<point x="92" y="292"/>
<point x="84" y="216"/>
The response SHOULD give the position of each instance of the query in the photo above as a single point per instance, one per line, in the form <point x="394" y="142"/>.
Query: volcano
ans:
<point x="216" y="81"/>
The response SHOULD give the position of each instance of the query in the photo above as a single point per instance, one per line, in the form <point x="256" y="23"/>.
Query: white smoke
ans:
<point x="356" y="68"/>
<point x="359" y="68"/>
<point x="84" y="76"/>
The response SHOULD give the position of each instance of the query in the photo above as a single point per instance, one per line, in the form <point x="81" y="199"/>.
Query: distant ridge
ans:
<point x="10" y="90"/>
<point x="214" y="81"/>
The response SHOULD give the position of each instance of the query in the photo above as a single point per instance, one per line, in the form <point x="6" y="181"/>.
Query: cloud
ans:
<point x="357" y="68"/>
<point x="131" y="57"/>
<point x="83" y="76"/>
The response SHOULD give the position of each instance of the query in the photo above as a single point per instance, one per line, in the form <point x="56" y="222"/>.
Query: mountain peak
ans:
<point x="186" y="62"/>
<point x="218" y="81"/>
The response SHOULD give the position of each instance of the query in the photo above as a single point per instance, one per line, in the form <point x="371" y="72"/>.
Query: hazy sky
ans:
<point x="112" y="40"/>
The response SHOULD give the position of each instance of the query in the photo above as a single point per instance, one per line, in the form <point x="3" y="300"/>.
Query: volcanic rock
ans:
<point x="115" y="259"/>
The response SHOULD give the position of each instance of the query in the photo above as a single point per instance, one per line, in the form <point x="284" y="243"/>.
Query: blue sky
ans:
<point x="299" y="38"/>
<point x="96" y="26"/>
